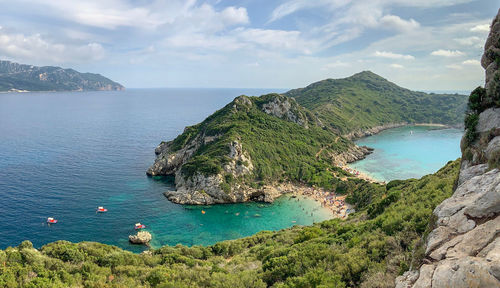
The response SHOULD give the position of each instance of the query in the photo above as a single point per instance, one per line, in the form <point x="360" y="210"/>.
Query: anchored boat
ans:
<point x="51" y="220"/>
<point x="139" y="226"/>
<point x="101" y="209"/>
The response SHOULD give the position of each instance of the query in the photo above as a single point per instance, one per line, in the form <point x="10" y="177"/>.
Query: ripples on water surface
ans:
<point x="64" y="154"/>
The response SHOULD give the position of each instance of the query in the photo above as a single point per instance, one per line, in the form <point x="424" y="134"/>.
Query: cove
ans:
<point x="408" y="152"/>
<point x="64" y="154"/>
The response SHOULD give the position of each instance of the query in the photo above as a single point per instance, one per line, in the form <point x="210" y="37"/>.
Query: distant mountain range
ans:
<point x="20" y="77"/>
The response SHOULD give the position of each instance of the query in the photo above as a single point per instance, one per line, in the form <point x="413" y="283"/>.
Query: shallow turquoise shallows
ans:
<point x="409" y="152"/>
<point x="64" y="154"/>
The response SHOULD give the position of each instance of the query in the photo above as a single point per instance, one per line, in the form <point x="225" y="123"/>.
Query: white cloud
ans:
<point x="481" y="28"/>
<point x="447" y="53"/>
<point x="274" y="39"/>
<point x="292" y="6"/>
<point x="391" y="55"/>
<point x="396" y="23"/>
<point x="114" y="14"/>
<point x="37" y="49"/>
<point x="232" y="15"/>
<point x="471" y="62"/>
<point x="397" y="66"/>
<point x="470" y="41"/>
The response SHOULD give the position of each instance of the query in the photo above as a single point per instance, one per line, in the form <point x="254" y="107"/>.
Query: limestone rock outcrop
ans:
<point x="142" y="237"/>
<point x="464" y="248"/>
<point x="372" y="131"/>
<point x="287" y="108"/>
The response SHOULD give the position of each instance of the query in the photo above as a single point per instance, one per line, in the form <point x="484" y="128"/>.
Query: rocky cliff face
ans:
<point x="464" y="248"/>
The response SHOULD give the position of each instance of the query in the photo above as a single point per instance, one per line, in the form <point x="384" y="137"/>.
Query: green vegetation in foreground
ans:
<point x="365" y="100"/>
<point x="369" y="249"/>
<point x="279" y="149"/>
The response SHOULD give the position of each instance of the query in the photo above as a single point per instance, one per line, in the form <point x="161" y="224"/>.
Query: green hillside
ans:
<point x="368" y="250"/>
<point x="365" y="100"/>
<point x="295" y="149"/>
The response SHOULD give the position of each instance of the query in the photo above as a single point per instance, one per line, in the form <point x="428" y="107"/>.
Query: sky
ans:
<point x="427" y="45"/>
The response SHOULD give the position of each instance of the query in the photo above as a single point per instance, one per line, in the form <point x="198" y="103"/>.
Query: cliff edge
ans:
<point x="464" y="248"/>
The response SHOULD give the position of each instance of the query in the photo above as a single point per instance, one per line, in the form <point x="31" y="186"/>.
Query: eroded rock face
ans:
<point x="354" y="153"/>
<point x="464" y="249"/>
<point x="489" y="61"/>
<point x="372" y="131"/>
<point x="142" y="237"/>
<point x="281" y="107"/>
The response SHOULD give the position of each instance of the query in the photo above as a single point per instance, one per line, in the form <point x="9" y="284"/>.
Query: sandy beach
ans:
<point x="328" y="199"/>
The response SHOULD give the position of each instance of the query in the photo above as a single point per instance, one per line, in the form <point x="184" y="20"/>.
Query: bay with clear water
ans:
<point x="409" y="152"/>
<point x="64" y="154"/>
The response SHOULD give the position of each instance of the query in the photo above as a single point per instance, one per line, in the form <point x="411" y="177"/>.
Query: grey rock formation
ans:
<point x="281" y="107"/>
<point x="372" y="131"/>
<point x="142" y="237"/>
<point x="354" y="153"/>
<point x="489" y="61"/>
<point x="287" y="108"/>
<point x="464" y="249"/>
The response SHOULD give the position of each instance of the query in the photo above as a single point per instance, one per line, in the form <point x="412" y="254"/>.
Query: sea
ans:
<point x="63" y="154"/>
<point x="409" y="152"/>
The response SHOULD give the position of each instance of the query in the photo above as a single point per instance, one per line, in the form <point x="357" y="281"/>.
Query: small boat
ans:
<point x="101" y="209"/>
<point x="139" y="226"/>
<point x="51" y="220"/>
<point x="202" y="211"/>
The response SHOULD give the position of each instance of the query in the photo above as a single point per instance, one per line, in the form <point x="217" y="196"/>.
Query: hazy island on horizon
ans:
<point x="15" y="77"/>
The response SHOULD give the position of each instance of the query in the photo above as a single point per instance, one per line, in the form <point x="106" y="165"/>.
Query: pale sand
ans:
<point x="328" y="199"/>
<point x="363" y="175"/>
<point x="432" y="125"/>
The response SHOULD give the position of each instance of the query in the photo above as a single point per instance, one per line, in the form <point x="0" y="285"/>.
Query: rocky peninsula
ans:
<point x="244" y="151"/>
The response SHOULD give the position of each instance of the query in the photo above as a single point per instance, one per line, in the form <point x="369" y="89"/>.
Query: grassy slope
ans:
<point x="279" y="149"/>
<point x="368" y="250"/>
<point x="365" y="100"/>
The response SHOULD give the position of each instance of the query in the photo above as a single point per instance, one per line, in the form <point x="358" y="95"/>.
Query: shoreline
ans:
<point x="356" y="135"/>
<point x="363" y="175"/>
<point x="444" y="126"/>
<point x="328" y="199"/>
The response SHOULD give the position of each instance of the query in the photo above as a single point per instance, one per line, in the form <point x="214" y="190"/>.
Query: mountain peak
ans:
<point x="366" y="75"/>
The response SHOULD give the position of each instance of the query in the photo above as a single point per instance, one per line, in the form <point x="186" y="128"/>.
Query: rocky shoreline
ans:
<point x="358" y="134"/>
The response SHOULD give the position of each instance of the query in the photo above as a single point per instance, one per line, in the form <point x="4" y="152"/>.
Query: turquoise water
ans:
<point x="409" y="152"/>
<point x="64" y="154"/>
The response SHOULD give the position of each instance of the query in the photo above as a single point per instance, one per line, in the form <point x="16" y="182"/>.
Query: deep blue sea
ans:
<point x="64" y="154"/>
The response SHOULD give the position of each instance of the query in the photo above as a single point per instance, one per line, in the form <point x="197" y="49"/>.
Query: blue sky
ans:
<point x="419" y="44"/>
